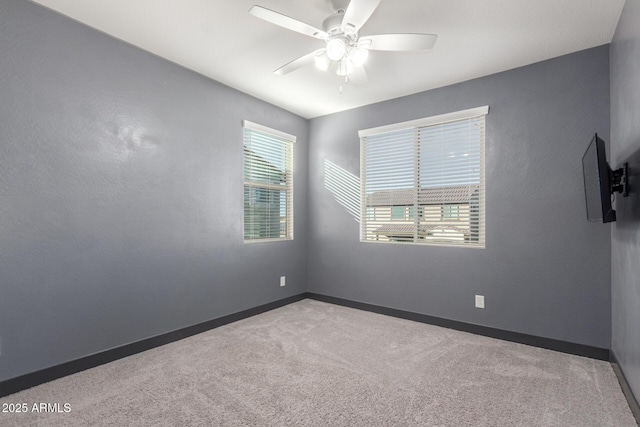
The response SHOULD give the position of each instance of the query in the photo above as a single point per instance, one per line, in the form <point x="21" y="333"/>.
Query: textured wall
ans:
<point x="545" y="270"/>
<point x="121" y="195"/>
<point x="625" y="236"/>
<point x="121" y="200"/>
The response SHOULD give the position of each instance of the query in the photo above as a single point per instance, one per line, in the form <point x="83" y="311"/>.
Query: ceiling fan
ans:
<point x="345" y="50"/>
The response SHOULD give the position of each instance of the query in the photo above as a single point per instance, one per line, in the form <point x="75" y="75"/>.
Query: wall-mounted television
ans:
<point x="600" y="182"/>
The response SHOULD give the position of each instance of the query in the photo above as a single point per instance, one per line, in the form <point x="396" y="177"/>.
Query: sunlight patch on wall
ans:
<point x="344" y="186"/>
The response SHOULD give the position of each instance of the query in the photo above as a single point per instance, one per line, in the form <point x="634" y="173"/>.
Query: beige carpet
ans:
<point x="317" y="364"/>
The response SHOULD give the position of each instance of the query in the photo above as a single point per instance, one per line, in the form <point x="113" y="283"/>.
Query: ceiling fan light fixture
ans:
<point x="358" y="56"/>
<point x="336" y="49"/>
<point x="344" y="50"/>
<point x="345" y="67"/>
<point x="322" y="61"/>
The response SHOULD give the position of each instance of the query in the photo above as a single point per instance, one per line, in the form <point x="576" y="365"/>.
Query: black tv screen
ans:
<point x="597" y="182"/>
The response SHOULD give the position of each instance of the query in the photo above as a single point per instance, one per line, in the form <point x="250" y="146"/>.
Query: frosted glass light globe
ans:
<point x="359" y="56"/>
<point x="336" y="48"/>
<point x="322" y="61"/>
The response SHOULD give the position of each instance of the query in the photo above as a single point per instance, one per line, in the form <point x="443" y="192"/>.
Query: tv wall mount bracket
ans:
<point x="619" y="180"/>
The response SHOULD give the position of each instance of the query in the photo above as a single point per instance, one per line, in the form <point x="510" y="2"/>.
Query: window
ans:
<point x="433" y="167"/>
<point x="268" y="183"/>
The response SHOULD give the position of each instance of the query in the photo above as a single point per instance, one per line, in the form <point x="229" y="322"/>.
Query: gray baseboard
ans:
<point x="532" y="340"/>
<point x="23" y="382"/>
<point x="626" y="389"/>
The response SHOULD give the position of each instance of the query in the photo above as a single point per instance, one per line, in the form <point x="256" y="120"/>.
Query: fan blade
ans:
<point x="297" y="63"/>
<point x="357" y="13"/>
<point x="287" y="22"/>
<point x="358" y="77"/>
<point x="400" y="42"/>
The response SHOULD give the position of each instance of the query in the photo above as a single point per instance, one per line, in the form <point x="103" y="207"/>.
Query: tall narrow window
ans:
<point x="432" y="169"/>
<point x="268" y="183"/>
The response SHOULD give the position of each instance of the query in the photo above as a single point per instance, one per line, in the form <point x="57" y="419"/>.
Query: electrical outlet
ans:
<point x="479" y="301"/>
<point x="282" y="281"/>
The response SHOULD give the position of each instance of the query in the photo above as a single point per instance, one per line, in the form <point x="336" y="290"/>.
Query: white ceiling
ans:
<point x="219" y="39"/>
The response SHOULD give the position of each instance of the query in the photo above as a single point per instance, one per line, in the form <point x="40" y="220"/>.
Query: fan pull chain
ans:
<point x="346" y="81"/>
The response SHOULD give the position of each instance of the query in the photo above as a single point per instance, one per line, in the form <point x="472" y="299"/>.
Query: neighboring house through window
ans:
<point x="450" y="212"/>
<point x="423" y="180"/>
<point x="268" y="183"/>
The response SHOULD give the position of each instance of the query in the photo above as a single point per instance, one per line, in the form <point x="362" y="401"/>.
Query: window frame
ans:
<point x="288" y="141"/>
<point x="416" y="126"/>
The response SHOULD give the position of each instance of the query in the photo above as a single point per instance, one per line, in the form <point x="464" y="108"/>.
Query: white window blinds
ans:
<point x="423" y="181"/>
<point x="268" y="183"/>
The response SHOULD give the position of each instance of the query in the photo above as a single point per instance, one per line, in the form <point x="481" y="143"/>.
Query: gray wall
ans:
<point x="625" y="236"/>
<point x="121" y="201"/>
<point x="545" y="270"/>
<point x="121" y="195"/>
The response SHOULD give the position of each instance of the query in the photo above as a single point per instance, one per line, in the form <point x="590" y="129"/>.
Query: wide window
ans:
<point x="423" y="181"/>
<point x="268" y="183"/>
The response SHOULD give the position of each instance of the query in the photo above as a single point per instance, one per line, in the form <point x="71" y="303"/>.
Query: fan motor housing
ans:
<point x="333" y="26"/>
<point x="333" y="23"/>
